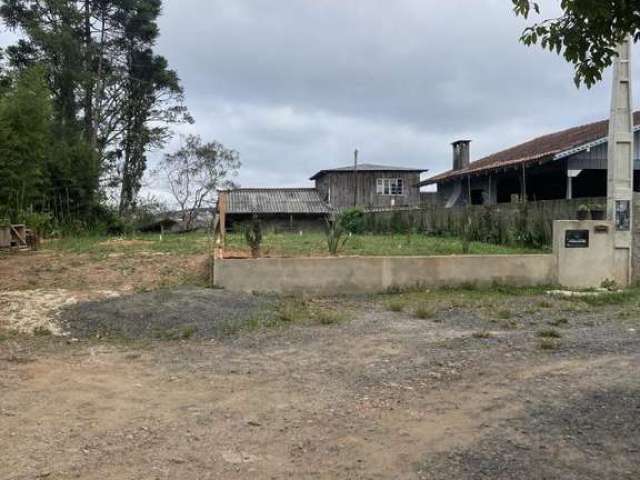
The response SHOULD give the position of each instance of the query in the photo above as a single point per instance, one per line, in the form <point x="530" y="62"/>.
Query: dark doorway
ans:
<point x="477" y="197"/>
<point x="590" y="183"/>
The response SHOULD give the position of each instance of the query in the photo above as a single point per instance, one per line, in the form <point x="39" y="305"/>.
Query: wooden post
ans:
<point x="355" y="178"/>
<point x="222" y="222"/>
<point x="523" y="190"/>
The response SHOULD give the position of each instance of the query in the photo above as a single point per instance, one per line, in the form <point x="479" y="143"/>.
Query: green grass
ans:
<point x="179" y="244"/>
<point x="314" y="244"/>
<point x="548" y="344"/>
<point x="283" y="245"/>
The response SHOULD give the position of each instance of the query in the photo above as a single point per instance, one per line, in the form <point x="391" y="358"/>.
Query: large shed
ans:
<point x="568" y="164"/>
<point x="279" y="209"/>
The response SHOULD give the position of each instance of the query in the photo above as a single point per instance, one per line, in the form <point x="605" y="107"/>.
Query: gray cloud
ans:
<point x="296" y="85"/>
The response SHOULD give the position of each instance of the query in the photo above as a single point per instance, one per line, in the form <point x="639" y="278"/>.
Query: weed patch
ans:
<point x="395" y="306"/>
<point x="483" y="334"/>
<point x="548" y="344"/>
<point x="424" y="312"/>
<point x="549" y="333"/>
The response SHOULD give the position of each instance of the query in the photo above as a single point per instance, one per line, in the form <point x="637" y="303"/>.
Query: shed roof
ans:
<point x="546" y="147"/>
<point x="370" y="167"/>
<point x="275" y="200"/>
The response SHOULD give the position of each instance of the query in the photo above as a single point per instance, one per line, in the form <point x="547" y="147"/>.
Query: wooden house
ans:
<point x="369" y="186"/>
<point x="563" y="165"/>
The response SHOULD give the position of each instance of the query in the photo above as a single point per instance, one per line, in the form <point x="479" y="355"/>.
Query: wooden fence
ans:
<point x="528" y="223"/>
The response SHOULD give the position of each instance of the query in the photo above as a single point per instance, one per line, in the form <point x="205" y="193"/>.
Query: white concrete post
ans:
<point x="620" y="155"/>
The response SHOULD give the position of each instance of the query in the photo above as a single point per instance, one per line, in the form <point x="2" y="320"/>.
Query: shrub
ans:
<point x="353" y="221"/>
<point x="395" y="306"/>
<point x="549" y="333"/>
<point x="253" y="236"/>
<point x="336" y="237"/>
<point x="423" y="312"/>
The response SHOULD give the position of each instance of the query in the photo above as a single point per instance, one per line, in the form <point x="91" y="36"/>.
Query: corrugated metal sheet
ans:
<point x="275" y="200"/>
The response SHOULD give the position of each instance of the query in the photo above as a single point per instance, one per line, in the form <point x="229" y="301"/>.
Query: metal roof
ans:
<point x="548" y="147"/>
<point x="369" y="167"/>
<point x="275" y="200"/>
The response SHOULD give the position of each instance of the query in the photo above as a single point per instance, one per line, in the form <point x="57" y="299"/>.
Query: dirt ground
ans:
<point x="484" y="386"/>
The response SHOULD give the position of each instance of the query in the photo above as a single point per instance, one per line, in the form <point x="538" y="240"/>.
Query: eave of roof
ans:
<point x="485" y="166"/>
<point x="274" y="201"/>
<point x="367" y="167"/>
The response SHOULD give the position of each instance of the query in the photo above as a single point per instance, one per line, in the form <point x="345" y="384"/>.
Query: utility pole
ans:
<point x="620" y="154"/>
<point x="355" y="178"/>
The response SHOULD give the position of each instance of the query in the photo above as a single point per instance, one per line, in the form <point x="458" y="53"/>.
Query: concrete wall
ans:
<point x="570" y="267"/>
<point x="588" y="267"/>
<point x="330" y="276"/>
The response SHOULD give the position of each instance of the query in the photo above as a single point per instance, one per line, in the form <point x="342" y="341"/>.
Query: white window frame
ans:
<point x="390" y="187"/>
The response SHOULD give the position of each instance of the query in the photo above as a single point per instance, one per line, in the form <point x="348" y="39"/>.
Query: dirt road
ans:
<point x="497" y="388"/>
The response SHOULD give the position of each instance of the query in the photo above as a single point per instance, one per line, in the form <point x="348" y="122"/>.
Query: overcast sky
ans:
<point x="296" y="85"/>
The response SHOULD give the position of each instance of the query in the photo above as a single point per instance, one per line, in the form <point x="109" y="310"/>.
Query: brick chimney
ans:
<point x="461" y="154"/>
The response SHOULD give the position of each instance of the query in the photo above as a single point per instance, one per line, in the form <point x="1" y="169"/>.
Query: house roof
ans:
<point x="275" y="200"/>
<point x="369" y="167"/>
<point x="547" y="147"/>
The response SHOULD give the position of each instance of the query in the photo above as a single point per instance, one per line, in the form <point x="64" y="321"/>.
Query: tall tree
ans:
<point x="25" y="137"/>
<point x="196" y="171"/>
<point x="586" y="34"/>
<point x="107" y="82"/>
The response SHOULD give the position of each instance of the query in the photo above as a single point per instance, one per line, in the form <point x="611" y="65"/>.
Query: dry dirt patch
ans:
<point x="29" y="311"/>
<point x="86" y="272"/>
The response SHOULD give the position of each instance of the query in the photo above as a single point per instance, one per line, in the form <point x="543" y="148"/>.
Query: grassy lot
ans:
<point x="375" y="245"/>
<point x="313" y="244"/>
<point x="182" y="244"/>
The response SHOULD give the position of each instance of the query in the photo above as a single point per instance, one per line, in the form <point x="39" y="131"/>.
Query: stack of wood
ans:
<point x="16" y="237"/>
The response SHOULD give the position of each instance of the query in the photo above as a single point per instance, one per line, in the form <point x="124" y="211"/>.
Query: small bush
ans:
<point x="352" y="221"/>
<point x="336" y="237"/>
<point x="505" y="314"/>
<point x="549" y="333"/>
<point x="424" y="312"/>
<point x="253" y="236"/>
<point x="483" y="334"/>
<point x="395" y="306"/>
<point x="293" y="310"/>
<point x="559" y="322"/>
<point x="548" y="344"/>
<point x="328" y="317"/>
<point x="42" y="332"/>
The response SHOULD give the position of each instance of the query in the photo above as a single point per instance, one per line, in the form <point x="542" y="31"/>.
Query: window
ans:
<point x="390" y="186"/>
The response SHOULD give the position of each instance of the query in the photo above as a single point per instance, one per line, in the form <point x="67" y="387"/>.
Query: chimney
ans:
<point x="461" y="154"/>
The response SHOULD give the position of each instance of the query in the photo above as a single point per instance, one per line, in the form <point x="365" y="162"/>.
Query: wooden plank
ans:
<point x="5" y="236"/>
<point x="20" y="232"/>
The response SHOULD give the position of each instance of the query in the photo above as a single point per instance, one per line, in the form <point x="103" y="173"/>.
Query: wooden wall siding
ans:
<point x="273" y="223"/>
<point x="342" y="188"/>
<point x="596" y="158"/>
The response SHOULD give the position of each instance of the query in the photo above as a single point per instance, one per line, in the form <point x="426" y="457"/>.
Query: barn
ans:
<point x="279" y="209"/>
<point x="568" y="164"/>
